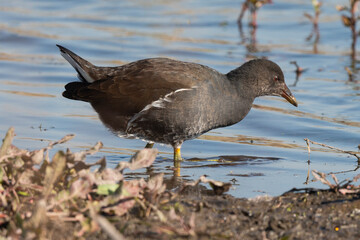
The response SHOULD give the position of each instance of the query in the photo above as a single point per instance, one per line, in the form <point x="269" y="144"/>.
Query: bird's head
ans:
<point x="263" y="78"/>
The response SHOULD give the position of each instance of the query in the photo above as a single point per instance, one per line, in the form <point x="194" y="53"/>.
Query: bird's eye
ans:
<point x="276" y="78"/>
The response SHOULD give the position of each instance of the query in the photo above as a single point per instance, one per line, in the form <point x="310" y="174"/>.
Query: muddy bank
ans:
<point x="314" y="215"/>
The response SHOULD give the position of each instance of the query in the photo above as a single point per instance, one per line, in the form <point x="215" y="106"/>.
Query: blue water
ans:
<point x="263" y="154"/>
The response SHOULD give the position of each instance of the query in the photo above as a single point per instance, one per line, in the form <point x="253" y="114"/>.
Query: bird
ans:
<point x="161" y="100"/>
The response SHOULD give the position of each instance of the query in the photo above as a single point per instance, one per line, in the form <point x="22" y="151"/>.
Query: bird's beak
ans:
<point x="286" y="93"/>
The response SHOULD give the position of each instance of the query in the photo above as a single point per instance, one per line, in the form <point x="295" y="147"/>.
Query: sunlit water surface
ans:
<point x="263" y="154"/>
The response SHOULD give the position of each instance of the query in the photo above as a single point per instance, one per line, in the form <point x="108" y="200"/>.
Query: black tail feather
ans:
<point x="72" y="90"/>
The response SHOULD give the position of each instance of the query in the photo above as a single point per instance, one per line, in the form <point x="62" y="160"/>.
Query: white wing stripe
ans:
<point x="157" y="103"/>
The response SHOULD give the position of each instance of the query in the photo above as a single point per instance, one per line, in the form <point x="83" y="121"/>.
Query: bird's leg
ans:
<point x="149" y="170"/>
<point x="177" y="159"/>
<point x="177" y="153"/>
<point x="149" y="145"/>
<point x="177" y="168"/>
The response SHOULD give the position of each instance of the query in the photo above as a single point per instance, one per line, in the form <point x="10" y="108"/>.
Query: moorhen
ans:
<point x="168" y="101"/>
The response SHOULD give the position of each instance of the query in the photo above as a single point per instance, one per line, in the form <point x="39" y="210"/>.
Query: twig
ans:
<point x="346" y="171"/>
<point x="322" y="178"/>
<point x="306" y="190"/>
<point x="343" y="187"/>
<point x="308" y="145"/>
<point x="355" y="154"/>
<point x="308" y="174"/>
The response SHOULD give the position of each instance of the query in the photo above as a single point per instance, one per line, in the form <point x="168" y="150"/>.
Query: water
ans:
<point x="263" y="154"/>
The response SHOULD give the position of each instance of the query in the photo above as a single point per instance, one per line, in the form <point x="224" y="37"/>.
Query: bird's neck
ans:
<point x="234" y="105"/>
<point x="245" y="82"/>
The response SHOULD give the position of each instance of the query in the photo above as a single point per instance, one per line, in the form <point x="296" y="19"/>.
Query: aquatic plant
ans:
<point x="315" y="21"/>
<point x="252" y="6"/>
<point x="349" y="20"/>
<point x="298" y="71"/>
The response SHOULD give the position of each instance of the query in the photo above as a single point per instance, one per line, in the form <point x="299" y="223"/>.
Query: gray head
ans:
<point x="262" y="78"/>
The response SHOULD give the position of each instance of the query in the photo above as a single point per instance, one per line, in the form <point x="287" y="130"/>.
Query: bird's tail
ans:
<point x="84" y="68"/>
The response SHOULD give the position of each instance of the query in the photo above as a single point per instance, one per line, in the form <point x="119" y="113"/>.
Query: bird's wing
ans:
<point x="140" y="83"/>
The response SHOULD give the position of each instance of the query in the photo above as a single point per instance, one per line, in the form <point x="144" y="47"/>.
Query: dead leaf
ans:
<point x="217" y="186"/>
<point x="133" y="187"/>
<point x="82" y="186"/>
<point x="121" y="203"/>
<point x="143" y="158"/>
<point x="7" y="141"/>
<point x="37" y="156"/>
<point x="27" y="177"/>
<point x="122" y="165"/>
<point x="110" y="175"/>
<point x="80" y="156"/>
<point x="118" y="205"/>
<point x="62" y="140"/>
<point x="54" y="171"/>
<point x="155" y="187"/>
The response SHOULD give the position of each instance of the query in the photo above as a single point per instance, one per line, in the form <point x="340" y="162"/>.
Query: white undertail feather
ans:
<point x="84" y="75"/>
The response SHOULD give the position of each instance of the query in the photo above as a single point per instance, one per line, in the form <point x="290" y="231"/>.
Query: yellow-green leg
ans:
<point x="177" y="161"/>
<point x="177" y="154"/>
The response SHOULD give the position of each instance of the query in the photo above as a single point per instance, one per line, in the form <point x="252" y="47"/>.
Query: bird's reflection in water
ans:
<point x="174" y="180"/>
